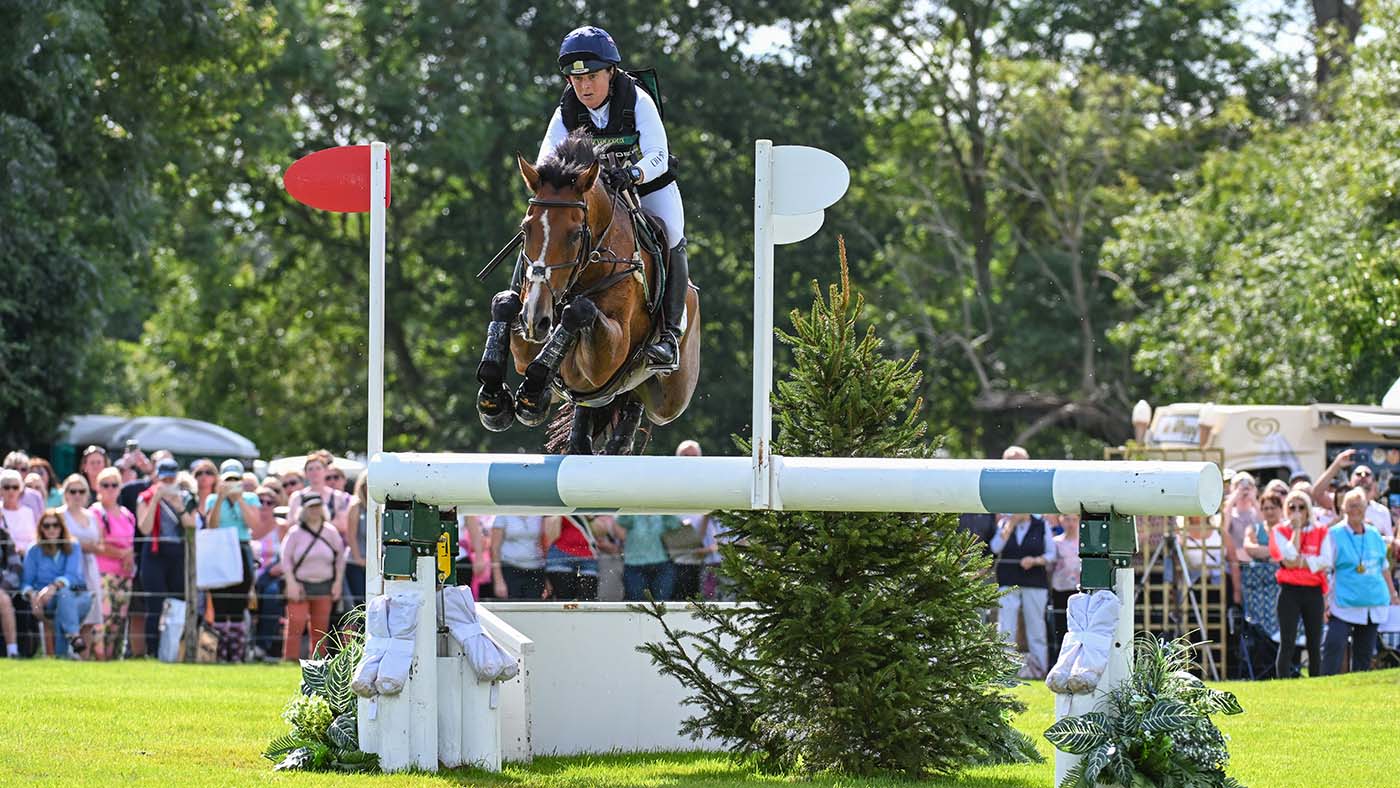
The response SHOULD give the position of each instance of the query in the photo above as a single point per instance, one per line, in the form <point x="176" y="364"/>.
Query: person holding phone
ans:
<point x="1294" y="543"/>
<point x="229" y="506"/>
<point x="163" y="512"/>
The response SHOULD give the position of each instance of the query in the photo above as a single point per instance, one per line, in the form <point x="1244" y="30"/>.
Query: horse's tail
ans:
<point x="557" y="432"/>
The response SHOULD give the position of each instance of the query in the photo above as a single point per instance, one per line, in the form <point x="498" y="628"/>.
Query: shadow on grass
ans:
<point x="647" y="770"/>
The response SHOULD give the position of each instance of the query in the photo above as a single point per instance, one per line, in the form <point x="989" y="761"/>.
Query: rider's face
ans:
<point x="592" y="89"/>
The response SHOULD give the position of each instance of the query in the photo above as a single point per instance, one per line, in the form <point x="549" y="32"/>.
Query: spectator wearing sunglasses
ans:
<point x="232" y="507"/>
<point x="129" y="499"/>
<point x="163" y="512"/>
<point x="18" y="462"/>
<point x="93" y="461"/>
<point x="267" y="586"/>
<point x="1301" y="587"/>
<point x="206" y="478"/>
<point x="335" y="478"/>
<point x="82" y="527"/>
<point x="116" y="562"/>
<point x="1377" y="513"/>
<point x="291" y="481"/>
<point x="317" y="467"/>
<point x="313" y="553"/>
<point x="55" y="586"/>
<point x="18" y="519"/>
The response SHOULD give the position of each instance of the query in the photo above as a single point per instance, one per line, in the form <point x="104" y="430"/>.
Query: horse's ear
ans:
<point x="586" y="180"/>
<point x="529" y="173"/>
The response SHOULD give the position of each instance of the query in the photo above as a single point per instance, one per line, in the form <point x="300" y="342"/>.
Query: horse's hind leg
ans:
<point x="581" y="431"/>
<point x="493" y="402"/>
<point x="533" y="398"/>
<point x="629" y="416"/>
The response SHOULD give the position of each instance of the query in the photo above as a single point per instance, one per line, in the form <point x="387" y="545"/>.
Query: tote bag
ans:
<point x="218" y="563"/>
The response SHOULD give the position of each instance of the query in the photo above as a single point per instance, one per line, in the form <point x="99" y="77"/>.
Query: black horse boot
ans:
<point x="664" y="355"/>
<point x="494" y="403"/>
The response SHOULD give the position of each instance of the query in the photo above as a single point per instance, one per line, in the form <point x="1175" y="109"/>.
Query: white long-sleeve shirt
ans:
<point x="656" y="153"/>
<point x="999" y="542"/>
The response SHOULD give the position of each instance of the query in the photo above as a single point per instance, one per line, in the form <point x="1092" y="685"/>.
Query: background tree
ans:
<point x="1270" y="273"/>
<point x="863" y="651"/>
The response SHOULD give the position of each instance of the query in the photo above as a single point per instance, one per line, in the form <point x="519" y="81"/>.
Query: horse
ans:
<point x="579" y="319"/>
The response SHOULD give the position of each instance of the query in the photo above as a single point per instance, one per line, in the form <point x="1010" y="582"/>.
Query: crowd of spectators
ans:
<point x="1316" y="557"/>
<point x="91" y="563"/>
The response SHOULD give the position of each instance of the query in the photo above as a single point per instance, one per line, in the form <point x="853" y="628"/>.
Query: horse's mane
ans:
<point x="569" y="160"/>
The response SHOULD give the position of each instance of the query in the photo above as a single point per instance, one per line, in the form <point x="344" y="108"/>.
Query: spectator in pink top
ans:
<point x="313" y="554"/>
<point x="1064" y="578"/>
<point x="116" y="561"/>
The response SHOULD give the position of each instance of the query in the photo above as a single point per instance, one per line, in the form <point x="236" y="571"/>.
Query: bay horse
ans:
<point x="579" y="319"/>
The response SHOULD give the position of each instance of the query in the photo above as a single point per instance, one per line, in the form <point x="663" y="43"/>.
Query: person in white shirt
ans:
<point x="1024" y="548"/>
<point x="615" y="108"/>
<point x="1361" y="591"/>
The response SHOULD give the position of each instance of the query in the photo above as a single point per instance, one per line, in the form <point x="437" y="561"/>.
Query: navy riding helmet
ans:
<point x="587" y="49"/>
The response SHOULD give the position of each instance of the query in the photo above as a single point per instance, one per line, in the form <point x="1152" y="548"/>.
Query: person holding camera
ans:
<point x="230" y="506"/>
<point x="162" y="511"/>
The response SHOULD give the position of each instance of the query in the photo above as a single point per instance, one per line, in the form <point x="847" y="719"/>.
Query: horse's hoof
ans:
<point x="497" y="410"/>
<point x="531" y="410"/>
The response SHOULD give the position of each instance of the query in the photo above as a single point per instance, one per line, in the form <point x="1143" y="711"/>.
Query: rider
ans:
<point x="621" y="116"/>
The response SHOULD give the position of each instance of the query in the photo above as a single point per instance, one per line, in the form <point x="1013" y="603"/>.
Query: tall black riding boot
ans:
<point x="665" y="354"/>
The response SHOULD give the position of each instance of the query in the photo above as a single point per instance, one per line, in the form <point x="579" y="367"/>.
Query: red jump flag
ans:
<point x="335" y="179"/>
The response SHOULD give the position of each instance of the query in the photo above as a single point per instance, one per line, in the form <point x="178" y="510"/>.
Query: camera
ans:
<point x="133" y="446"/>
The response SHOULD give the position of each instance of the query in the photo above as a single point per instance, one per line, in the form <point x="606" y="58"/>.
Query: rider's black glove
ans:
<point x="620" y="178"/>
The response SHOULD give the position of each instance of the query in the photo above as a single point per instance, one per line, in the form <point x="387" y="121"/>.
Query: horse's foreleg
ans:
<point x="493" y="402"/>
<point x="629" y="416"/>
<point x="532" y="399"/>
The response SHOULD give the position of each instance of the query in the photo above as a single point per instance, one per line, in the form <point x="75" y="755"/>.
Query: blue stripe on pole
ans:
<point x="1017" y="490"/>
<point x="525" y="483"/>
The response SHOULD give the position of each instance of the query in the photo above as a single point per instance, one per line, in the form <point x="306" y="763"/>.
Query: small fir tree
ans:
<point x="863" y="651"/>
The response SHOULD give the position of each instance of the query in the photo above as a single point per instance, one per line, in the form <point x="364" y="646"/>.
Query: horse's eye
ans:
<point x="576" y="236"/>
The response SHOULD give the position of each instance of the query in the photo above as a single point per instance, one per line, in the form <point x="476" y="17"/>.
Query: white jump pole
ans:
<point x="557" y="484"/>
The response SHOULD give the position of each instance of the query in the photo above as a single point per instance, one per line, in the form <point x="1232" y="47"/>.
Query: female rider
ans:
<point x="609" y="103"/>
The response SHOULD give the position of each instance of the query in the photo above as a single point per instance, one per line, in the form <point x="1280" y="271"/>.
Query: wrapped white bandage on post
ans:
<point x="489" y="661"/>
<point x="1091" y="620"/>
<point x="376" y="643"/>
<point x="390" y="624"/>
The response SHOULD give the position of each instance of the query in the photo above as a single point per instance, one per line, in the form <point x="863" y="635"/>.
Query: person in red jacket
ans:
<point x="1301" y="590"/>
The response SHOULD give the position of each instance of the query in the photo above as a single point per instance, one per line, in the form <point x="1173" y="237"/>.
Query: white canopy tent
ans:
<point x="186" y="437"/>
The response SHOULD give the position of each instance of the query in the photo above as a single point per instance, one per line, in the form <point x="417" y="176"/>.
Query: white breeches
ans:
<point x="666" y="204"/>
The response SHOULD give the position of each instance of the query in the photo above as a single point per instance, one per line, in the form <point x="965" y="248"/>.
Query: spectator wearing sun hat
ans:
<point x="313" y="560"/>
<point x="163" y="511"/>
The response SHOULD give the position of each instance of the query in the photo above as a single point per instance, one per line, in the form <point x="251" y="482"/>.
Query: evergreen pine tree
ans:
<point x="863" y="651"/>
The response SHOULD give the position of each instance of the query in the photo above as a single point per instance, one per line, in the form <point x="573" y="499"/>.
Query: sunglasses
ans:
<point x="1362" y="475"/>
<point x="1297" y="508"/>
<point x="268" y="501"/>
<point x="109" y="485"/>
<point x="290" y="483"/>
<point x="205" y="472"/>
<point x="9" y="486"/>
<point x="50" y="524"/>
<point x="336" y="478"/>
<point x="76" y="491"/>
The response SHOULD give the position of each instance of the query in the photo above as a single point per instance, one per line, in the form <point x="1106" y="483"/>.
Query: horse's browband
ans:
<point x="560" y="203"/>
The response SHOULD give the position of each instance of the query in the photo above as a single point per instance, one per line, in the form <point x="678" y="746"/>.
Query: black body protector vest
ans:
<point x="621" y="132"/>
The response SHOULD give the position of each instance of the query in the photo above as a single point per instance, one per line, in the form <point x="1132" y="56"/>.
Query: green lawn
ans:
<point x="148" y="723"/>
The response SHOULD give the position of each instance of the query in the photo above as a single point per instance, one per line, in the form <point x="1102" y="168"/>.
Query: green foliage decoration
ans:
<point x="862" y="652"/>
<point x="1154" y="729"/>
<point x="322" y="715"/>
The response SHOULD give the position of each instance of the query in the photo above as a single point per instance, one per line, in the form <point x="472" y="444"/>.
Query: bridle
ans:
<point x="538" y="272"/>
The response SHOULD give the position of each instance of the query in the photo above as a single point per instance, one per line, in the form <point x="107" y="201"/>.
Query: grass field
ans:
<point x="173" y="725"/>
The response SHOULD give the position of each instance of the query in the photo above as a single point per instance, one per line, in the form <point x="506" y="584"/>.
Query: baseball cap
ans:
<point x="309" y="499"/>
<point x="166" y="469"/>
<point x="231" y="469"/>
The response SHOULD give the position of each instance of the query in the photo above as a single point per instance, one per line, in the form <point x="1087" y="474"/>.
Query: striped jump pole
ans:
<point x="557" y="484"/>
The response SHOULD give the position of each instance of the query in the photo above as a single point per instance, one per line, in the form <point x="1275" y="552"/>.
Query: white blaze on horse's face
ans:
<point x="539" y="307"/>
